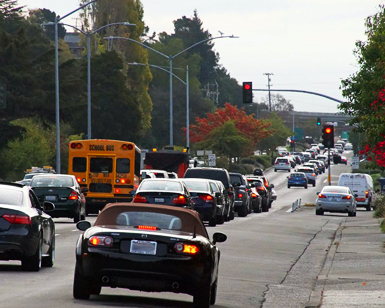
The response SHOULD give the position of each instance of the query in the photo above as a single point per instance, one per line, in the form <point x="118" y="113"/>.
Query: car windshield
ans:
<point x="149" y="219"/>
<point x="11" y="197"/>
<point x="52" y="181"/>
<point x="297" y="175"/>
<point x="196" y="185"/>
<point x="160" y="185"/>
<point x="335" y="189"/>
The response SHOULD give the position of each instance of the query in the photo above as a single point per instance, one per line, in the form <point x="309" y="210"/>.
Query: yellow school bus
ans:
<point x="110" y="169"/>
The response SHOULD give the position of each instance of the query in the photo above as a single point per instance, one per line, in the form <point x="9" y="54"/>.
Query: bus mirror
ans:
<point x="144" y="175"/>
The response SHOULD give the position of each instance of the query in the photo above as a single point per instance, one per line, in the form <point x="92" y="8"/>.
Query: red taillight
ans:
<point x="240" y="195"/>
<point x="287" y="163"/>
<point x="79" y="180"/>
<point x="73" y="195"/>
<point x="75" y="145"/>
<point x="184" y="248"/>
<point x="206" y="198"/>
<point x="321" y="196"/>
<point x="147" y="228"/>
<point x="100" y="241"/>
<point x="313" y="174"/>
<point x="276" y="163"/>
<point x="262" y="188"/>
<point x="366" y="194"/>
<point x="254" y="195"/>
<point x="126" y="147"/>
<point x="179" y="200"/>
<point x="17" y="219"/>
<point x="347" y="197"/>
<point x="122" y="181"/>
<point x="117" y="190"/>
<point x="290" y="178"/>
<point x="138" y="198"/>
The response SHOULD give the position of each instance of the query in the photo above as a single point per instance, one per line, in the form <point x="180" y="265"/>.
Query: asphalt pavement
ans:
<point x="353" y="274"/>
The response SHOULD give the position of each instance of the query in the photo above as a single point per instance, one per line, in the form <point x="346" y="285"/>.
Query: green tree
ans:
<point x="41" y="16"/>
<point x="226" y="140"/>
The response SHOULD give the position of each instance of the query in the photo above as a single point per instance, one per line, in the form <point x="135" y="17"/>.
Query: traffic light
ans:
<point x="318" y="121"/>
<point x="247" y="91"/>
<point x="328" y="136"/>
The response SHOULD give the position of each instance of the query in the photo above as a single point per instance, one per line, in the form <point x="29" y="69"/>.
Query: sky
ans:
<point x="305" y="44"/>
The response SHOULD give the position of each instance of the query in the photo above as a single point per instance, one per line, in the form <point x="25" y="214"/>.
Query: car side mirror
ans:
<point x="219" y="237"/>
<point x="271" y="185"/>
<point x="48" y="206"/>
<point x="317" y="193"/>
<point x="83" y="225"/>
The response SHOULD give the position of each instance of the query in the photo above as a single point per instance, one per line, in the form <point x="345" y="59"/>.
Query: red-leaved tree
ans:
<point x="253" y="129"/>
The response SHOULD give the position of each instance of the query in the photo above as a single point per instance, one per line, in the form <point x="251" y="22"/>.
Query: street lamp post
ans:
<point x="88" y="35"/>
<point x="186" y="83"/>
<point x="57" y="109"/>
<point x="170" y="58"/>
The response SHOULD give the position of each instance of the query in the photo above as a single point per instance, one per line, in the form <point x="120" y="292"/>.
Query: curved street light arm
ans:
<point x="158" y="67"/>
<point x="76" y="28"/>
<point x="79" y="8"/>
<point x="113" y="24"/>
<point x="135" y="41"/>
<point x="203" y="41"/>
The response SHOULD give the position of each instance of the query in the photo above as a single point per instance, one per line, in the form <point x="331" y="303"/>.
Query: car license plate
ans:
<point x="50" y="198"/>
<point x="143" y="247"/>
<point x="159" y="200"/>
<point x="360" y="199"/>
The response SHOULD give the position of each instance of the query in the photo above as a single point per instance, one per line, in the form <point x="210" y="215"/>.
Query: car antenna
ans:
<point x="195" y="231"/>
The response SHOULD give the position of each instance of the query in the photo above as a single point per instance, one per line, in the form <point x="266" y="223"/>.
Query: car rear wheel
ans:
<point x="220" y="219"/>
<point x="369" y="207"/>
<point x="265" y="206"/>
<point x="213" y="222"/>
<point x="242" y="212"/>
<point x="306" y="187"/>
<point x="81" y="287"/>
<point x="48" y="261"/>
<point x="257" y="208"/>
<point x="33" y="263"/>
<point x="314" y="184"/>
<point x="77" y="217"/>
<point x="351" y="214"/>
<point x="202" y="296"/>
<point x="213" y="295"/>
<point x="319" y="212"/>
<point x="288" y="186"/>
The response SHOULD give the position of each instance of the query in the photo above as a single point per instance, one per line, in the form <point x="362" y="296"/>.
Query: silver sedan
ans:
<point x="337" y="199"/>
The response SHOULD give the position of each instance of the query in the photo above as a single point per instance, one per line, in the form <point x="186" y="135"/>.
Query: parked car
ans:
<point x="361" y="185"/>
<point x="219" y="174"/>
<point x="153" y="248"/>
<point x="282" y="163"/>
<point x="207" y="202"/>
<point x="64" y="191"/>
<point x="27" y="231"/>
<point x="164" y="191"/>
<point x="310" y="174"/>
<point x="242" y="200"/>
<point x="297" y="179"/>
<point x="336" y="199"/>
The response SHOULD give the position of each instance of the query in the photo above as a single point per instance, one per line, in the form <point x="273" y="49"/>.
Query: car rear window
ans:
<point x="306" y="170"/>
<point x="196" y="186"/>
<point x="282" y="160"/>
<point x="52" y="181"/>
<point x="11" y="197"/>
<point x="335" y="189"/>
<point x="235" y="178"/>
<point x="149" y="219"/>
<point x="297" y="175"/>
<point x="160" y="185"/>
<point x="220" y="175"/>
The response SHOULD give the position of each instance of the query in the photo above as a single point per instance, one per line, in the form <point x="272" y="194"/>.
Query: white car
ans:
<point x="282" y="163"/>
<point x="348" y="147"/>
<point x="337" y="199"/>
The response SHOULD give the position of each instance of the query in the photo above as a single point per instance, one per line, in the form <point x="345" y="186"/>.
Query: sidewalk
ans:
<point x="354" y="271"/>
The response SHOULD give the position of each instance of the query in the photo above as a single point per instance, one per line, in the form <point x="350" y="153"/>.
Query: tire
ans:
<point x="319" y="212"/>
<point x="350" y="214"/>
<point x="242" y="212"/>
<point x="314" y="184"/>
<point x="369" y="207"/>
<point x="265" y="206"/>
<point x="306" y="187"/>
<point x="202" y="296"/>
<point x="81" y="287"/>
<point x="232" y="215"/>
<point x="213" y="295"/>
<point x="288" y="186"/>
<point x="220" y="220"/>
<point x="83" y="217"/>
<point x="95" y="289"/>
<point x="77" y="217"/>
<point x="257" y="208"/>
<point x="33" y="263"/>
<point x="355" y="213"/>
<point x="49" y="260"/>
<point x="213" y="222"/>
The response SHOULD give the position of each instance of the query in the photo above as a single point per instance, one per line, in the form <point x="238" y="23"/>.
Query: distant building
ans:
<point x="72" y="39"/>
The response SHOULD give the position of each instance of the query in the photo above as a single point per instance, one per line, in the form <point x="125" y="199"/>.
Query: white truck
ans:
<point x="361" y="186"/>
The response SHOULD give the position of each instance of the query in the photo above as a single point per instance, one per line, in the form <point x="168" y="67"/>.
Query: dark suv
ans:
<point x="219" y="174"/>
<point x="242" y="200"/>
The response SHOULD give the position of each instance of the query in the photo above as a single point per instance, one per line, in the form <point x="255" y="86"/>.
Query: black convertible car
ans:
<point x="147" y="247"/>
<point x="27" y="233"/>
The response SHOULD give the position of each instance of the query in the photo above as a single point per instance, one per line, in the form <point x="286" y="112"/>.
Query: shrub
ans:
<point x="248" y="160"/>
<point x="264" y="160"/>
<point x="237" y="168"/>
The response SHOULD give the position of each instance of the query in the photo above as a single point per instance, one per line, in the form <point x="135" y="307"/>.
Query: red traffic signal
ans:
<point x="247" y="91"/>
<point x="328" y="130"/>
<point x="328" y="136"/>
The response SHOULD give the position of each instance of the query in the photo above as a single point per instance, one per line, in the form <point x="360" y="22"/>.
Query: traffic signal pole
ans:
<point x="329" y="173"/>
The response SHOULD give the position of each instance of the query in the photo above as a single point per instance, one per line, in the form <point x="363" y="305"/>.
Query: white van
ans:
<point x="361" y="185"/>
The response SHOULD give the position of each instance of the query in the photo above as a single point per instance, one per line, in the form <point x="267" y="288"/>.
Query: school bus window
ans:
<point x="123" y="165"/>
<point x="98" y="165"/>
<point x="79" y="164"/>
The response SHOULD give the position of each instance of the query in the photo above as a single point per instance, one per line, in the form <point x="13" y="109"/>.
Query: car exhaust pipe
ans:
<point x="175" y="285"/>
<point x="105" y="279"/>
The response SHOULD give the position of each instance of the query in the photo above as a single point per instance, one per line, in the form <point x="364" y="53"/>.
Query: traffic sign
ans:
<point x="355" y="162"/>
<point x="212" y="160"/>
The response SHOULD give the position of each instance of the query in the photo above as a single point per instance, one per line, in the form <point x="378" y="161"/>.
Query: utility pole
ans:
<point x="268" y="86"/>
